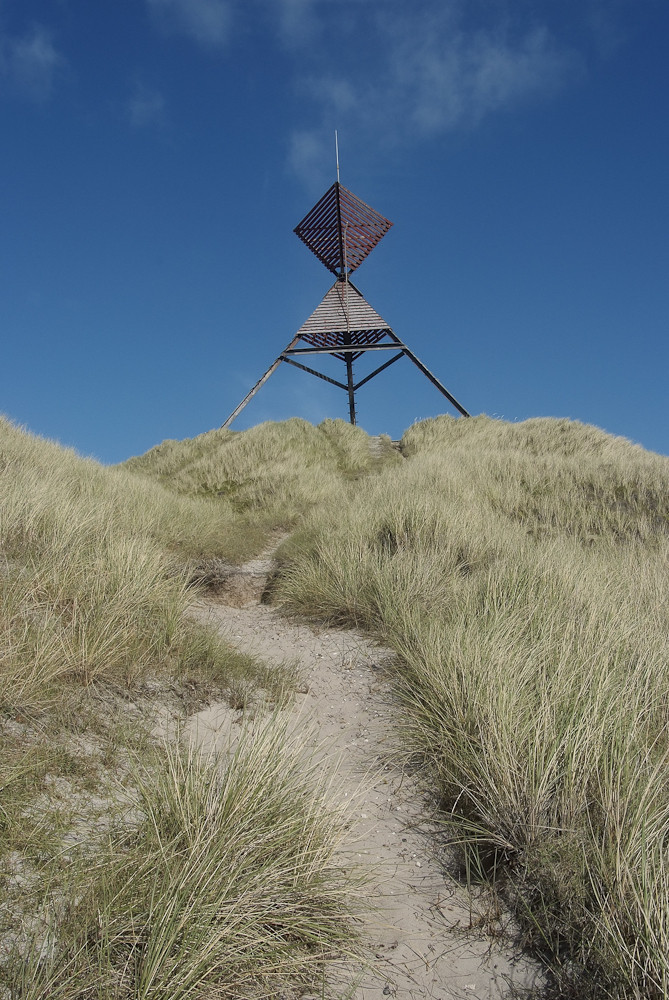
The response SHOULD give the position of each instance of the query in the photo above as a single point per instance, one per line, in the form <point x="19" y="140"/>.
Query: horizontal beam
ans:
<point x="341" y="349"/>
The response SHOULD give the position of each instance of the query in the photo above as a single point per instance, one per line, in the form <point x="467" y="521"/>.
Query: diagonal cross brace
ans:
<point x="288" y="355"/>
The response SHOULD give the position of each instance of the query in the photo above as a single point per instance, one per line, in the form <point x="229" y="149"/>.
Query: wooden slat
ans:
<point x="343" y="311"/>
<point x="341" y="230"/>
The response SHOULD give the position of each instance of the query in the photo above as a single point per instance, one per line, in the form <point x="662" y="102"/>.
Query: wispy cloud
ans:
<point x="603" y="19"/>
<point x="435" y="78"/>
<point x="206" y="21"/>
<point x="297" y="20"/>
<point x="442" y="82"/>
<point x="30" y="63"/>
<point x="395" y="73"/>
<point x="145" y="107"/>
<point x="406" y="74"/>
<point x="308" y="158"/>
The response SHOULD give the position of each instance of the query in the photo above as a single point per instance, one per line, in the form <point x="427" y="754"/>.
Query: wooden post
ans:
<point x="351" y="388"/>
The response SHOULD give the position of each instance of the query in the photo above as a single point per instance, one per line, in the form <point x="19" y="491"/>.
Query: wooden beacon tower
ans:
<point x="341" y="230"/>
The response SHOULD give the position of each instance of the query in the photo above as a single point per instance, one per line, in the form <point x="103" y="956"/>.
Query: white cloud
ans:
<point x="443" y="82"/>
<point x="308" y="158"/>
<point x="401" y="73"/>
<point x="387" y="73"/>
<point x="206" y="21"/>
<point x="146" y="107"/>
<point x="340" y="94"/>
<point x="298" y="21"/>
<point x="30" y="63"/>
<point x="603" y="19"/>
<point x="436" y="79"/>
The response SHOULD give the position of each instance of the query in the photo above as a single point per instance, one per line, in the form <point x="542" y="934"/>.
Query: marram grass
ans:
<point x="271" y="474"/>
<point x="90" y="580"/>
<point x="228" y="886"/>
<point x="520" y="572"/>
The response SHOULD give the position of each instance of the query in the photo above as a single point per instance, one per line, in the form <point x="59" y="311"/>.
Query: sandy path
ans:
<point x="418" y="930"/>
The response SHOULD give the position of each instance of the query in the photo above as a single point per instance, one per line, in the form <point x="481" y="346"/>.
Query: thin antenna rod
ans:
<point x="337" y="153"/>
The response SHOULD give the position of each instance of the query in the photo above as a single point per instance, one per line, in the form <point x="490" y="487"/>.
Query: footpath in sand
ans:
<point x="422" y="938"/>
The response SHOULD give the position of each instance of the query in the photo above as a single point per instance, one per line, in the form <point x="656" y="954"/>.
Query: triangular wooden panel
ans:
<point x="341" y="230"/>
<point x="343" y="312"/>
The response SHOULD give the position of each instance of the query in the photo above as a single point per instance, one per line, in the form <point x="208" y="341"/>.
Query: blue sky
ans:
<point x="156" y="154"/>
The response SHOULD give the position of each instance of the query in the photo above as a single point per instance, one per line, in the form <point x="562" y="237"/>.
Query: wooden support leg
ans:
<point x="435" y="381"/>
<point x="261" y="381"/>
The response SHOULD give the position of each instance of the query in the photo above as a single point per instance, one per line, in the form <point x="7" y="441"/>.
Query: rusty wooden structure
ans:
<point x="341" y="230"/>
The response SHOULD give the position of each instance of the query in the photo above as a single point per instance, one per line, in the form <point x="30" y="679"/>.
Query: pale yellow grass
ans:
<point x="226" y="886"/>
<point x="272" y="473"/>
<point x="89" y="569"/>
<point x="212" y="878"/>
<point x="520" y="571"/>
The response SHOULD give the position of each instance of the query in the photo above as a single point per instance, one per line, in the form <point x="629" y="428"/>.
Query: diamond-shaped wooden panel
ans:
<point x="341" y="230"/>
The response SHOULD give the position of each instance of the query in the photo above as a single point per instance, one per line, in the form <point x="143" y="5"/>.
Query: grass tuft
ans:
<point x="227" y="887"/>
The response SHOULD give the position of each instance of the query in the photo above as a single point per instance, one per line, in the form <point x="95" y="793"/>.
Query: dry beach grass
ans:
<point x="94" y="647"/>
<point x="519" y="572"/>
